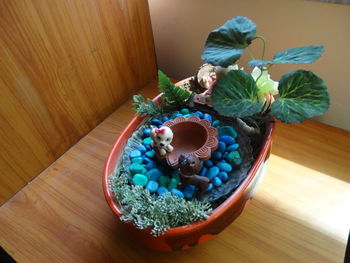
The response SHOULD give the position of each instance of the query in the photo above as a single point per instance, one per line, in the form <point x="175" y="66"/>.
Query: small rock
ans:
<point x="184" y="111"/>
<point x="136" y="168"/>
<point x="151" y="165"/>
<point x="221" y="147"/>
<point x="199" y="114"/>
<point x="152" y="186"/>
<point x="163" y="180"/>
<point x="208" y="117"/>
<point x="146" y="132"/>
<point x="161" y="190"/>
<point x="224" y="167"/>
<point x="212" y="172"/>
<point x="140" y="179"/>
<point x="187" y="115"/>
<point x="134" y="154"/>
<point x="217" y="182"/>
<point x="216" y="123"/>
<point x="210" y="187"/>
<point x="156" y="122"/>
<point x="228" y="130"/>
<point x="150" y="154"/>
<point x="154" y="174"/>
<point x="172" y="184"/>
<point x="223" y="176"/>
<point x="175" y="174"/>
<point x="142" y="149"/>
<point x="232" y="147"/>
<point x="147" y="141"/>
<point x="216" y="156"/>
<point x="203" y="171"/>
<point x="228" y="140"/>
<point x="189" y="191"/>
<point x="148" y="147"/>
<point x="177" y="192"/>
<point x="208" y="163"/>
<point x="164" y="119"/>
<point x="234" y="158"/>
<point x="138" y="160"/>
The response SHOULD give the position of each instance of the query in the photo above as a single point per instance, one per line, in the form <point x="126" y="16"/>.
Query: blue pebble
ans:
<point x="150" y="165"/>
<point x="146" y="132"/>
<point x="232" y="147"/>
<point x="203" y="171"/>
<point x="216" y="156"/>
<point x="161" y="190"/>
<point x="148" y="147"/>
<point x="224" y="167"/>
<point x="223" y="176"/>
<point x="150" y="154"/>
<point x="135" y="153"/>
<point x="165" y="118"/>
<point x="210" y="187"/>
<point x="228" y="140"/>
<point x="208" y="117"/>
<point x="156" y="122"/>
<point x="177" y="115"/>
<point x="212" y="172"/>
<point x="208" y="163"/>
<point x="225" y="154"/>
<point x="217" y="182"/>
<point x="189" y="191"/>
<point x="142" y="149"/>
<point x="152" y="186"/>
<point x="222" y="147"/>
<point x="154" y="174"/>
<point x="146" y="159"/>
<point x="199" y="114"/>
<point x="177" y="192"/>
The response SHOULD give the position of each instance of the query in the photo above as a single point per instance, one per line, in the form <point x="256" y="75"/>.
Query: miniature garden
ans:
<point x="200" y="137"/>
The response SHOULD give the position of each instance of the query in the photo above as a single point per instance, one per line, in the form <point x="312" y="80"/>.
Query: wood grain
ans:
<point x="300" y="213"/>
<point x="65" y="66"/>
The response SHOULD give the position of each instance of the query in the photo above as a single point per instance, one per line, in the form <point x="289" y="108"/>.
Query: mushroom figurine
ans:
<point x="162" y="138"/>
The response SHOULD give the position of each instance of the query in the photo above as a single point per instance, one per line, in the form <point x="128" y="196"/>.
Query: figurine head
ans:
<point x="189" y="165"/>
<point x="161" y="137"/>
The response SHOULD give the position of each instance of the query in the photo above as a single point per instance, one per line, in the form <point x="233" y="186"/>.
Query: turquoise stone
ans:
<point x="147" y="141"/>
<point x="228" y="130"/>
<point x="138" y="160"/>
<point x="185" y="111"/>
<point x="139" y="179"/>
<point x="136" y="168"/>
<point x="234" y="158"/>
<point x="216" y="123"/>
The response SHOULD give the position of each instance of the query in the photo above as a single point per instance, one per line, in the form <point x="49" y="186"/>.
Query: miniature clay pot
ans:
<point x="187" y="236"/>
<point x="193" y="137"/>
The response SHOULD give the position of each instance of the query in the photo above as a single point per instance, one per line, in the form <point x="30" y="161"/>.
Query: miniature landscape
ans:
<point x="200" y="137"/>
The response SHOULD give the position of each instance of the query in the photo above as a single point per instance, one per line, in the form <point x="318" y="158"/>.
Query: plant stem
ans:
<point x="264" y="45"/>
<point x="250" y="54"/>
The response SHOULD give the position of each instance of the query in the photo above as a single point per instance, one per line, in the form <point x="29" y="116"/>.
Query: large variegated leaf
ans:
<point x="225" y="45"/>
<point x="298" y="55"/>
<point x="302" y="95"/>
<point x="235" y="95"/>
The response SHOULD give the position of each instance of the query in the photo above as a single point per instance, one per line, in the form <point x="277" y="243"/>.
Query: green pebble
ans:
<point x="176" y="174"/>
<point x="172" y="184"/>
<point x="150" y="154"/>
<point x="185" y="111"/>
<point x="147" y="141"/>
<point x="234" y="158"/>
<point x="216" y="123"/>
<point x="140" y="179"/>
<point x="228" y="130"/>
<point x="136" y="168"/>
<point x="138" y="160"/>
<point x="163" y="180"/>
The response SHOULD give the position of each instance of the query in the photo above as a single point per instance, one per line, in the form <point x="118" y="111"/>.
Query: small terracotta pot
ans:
<point x="192" y="136"/>
<point x="187" y="236"/>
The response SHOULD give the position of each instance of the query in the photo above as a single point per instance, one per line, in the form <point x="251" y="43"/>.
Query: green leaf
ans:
<point x="173" y="96"/>
<point x="225" y="45"/>
<point x="235" y="95"/>
<point x="302" y="95"/>
<point x="298" y="55"/>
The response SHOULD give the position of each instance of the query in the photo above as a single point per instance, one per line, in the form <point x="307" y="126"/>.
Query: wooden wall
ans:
<point x="65" y="65"/>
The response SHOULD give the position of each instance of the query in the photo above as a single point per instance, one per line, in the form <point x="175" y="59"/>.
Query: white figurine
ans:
<point x="162" y="138"/>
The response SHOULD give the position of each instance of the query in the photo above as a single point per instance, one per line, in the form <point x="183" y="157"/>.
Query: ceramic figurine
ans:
<point x="189" y="168"/>
<point x="162" y="138"/>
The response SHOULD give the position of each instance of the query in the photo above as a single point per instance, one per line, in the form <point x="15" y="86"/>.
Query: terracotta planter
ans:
<point x="190" y="235"/>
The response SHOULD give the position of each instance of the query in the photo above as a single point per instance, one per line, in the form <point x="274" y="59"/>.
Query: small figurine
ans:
<point x="189" y="167"/>
<point x="162" y="138"/>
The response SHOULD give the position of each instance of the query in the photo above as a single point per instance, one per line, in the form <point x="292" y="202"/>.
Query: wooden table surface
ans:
<point x="301" y="213"/>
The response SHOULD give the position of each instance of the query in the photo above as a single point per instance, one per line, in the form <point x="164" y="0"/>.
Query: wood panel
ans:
<point x="300" y="213"/>
<point x="65" y="66"/>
